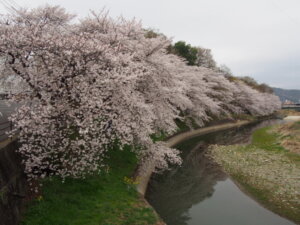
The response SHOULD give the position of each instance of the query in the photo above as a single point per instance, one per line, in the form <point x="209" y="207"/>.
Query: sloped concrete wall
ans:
<point x="12" y="185"/>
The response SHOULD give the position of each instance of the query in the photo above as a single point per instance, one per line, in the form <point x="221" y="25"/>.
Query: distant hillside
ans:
<point x="285" y="94"/>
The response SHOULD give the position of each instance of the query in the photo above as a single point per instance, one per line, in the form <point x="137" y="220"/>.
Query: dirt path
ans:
<point x="292" y="118"/>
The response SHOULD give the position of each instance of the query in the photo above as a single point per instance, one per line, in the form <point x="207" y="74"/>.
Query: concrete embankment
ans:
<point x="145" y="177"/>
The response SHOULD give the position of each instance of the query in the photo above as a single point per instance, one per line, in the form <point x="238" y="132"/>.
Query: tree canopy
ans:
<point x="186" y="51"/>
<point x="101" y="81"/>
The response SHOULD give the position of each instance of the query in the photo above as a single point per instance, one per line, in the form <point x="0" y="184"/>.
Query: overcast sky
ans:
<point x="257" y="38"/>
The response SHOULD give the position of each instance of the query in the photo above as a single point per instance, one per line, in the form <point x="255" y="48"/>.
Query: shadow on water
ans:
<point x="200" y="193"/>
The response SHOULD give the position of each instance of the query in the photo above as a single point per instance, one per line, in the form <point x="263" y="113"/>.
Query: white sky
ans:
<point x="258" y="38"/>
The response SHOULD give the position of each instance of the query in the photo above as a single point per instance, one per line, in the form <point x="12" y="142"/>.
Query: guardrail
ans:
<point x="289" y="106"/>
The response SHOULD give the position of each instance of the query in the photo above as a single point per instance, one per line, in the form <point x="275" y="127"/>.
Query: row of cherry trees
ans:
<point x="102" y="80"/>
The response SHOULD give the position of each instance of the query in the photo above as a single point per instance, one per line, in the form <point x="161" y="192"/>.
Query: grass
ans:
<point x="266" y="170"/>
<point x="289" y="136"/>
<point x="182" y="125"/>
<point x="160" y="136"/>
<point x="269" y="138"/>
<point x="266" y="140"/>
<point x="105" y="199"/>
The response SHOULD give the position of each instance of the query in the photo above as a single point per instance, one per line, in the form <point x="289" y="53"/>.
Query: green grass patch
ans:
<point x="159" y="136"/>
<point x="296" y="126"/>
<point x="265" y="139"/>
<point x="99" y="199"/>
<point x="182" y="125"/>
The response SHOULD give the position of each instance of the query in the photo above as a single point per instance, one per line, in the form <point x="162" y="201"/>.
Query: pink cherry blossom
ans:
<point x="98" y="80"/>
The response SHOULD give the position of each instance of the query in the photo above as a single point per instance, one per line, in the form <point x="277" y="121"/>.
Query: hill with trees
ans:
<point x="286" y="94"/>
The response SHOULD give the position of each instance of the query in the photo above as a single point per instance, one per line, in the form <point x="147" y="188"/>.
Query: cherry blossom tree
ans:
<point x="86" y="84"/>
<point x="205" y="58"/>
<point x="254" y="102"/>
<point x="101" y="81"/>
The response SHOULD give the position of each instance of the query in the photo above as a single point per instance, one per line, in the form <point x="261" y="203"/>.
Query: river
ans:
<point x="200" y="193"/>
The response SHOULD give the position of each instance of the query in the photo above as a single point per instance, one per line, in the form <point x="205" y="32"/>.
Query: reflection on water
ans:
<point x="200" y="193"/>
<point x="229" y="206"/>
<point x="183" y="187"/>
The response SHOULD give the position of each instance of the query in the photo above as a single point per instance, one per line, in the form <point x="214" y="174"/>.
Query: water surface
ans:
<point x="200" y="193"/>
